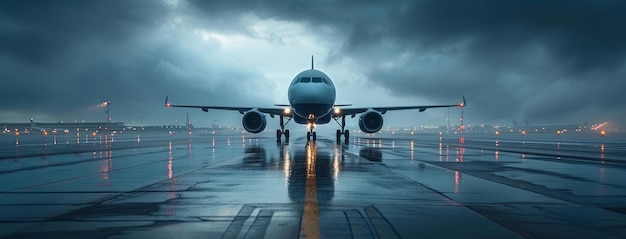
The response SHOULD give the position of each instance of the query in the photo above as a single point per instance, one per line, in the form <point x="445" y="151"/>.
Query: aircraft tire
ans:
<point x="286" y="134"/>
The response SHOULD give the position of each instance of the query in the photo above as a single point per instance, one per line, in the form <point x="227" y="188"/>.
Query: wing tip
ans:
<point x="464" y="103"/>
<point x="167" y="102"/>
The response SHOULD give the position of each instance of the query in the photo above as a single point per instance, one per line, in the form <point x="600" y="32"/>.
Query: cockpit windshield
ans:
<point x="307" y="79"/>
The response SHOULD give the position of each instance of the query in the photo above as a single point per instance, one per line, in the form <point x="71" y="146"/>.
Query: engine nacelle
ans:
<point x="254" y="121"/>
<point x="371" y="122"/>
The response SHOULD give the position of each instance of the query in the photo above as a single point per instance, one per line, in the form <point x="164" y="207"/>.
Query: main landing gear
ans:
<point x="342" y="131"/>
<point x="282" y="131"/>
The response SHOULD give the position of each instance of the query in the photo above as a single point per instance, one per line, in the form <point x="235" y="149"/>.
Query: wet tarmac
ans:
<point x="234" y="185"/>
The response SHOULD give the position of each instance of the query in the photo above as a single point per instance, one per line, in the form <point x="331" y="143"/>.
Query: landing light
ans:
<point x="337" y="110"/>
<point x="287" y="111"/>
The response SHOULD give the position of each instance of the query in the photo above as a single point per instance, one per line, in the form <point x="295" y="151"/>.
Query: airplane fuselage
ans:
<point x="312" y="96"/>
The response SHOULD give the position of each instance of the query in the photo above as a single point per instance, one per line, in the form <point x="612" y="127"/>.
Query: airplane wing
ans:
<point x="205" y="108"/>
<point x="383" y="110"/>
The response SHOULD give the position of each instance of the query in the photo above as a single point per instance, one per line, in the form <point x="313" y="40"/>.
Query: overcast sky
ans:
<point x="546" y="62"/>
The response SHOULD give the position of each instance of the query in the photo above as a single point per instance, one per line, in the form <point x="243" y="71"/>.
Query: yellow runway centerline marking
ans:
<point x="310" y="226"/>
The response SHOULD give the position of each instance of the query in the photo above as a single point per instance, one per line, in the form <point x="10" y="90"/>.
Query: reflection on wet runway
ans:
<point x="250" y="186"/>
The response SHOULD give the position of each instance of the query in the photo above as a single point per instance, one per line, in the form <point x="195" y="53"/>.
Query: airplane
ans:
<point x="43" y="129"/>
<point x="34" y="127"/>
<point x="311" y="96"/>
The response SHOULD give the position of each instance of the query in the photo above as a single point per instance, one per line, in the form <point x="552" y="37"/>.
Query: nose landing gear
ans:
<point x="311" y="135"/>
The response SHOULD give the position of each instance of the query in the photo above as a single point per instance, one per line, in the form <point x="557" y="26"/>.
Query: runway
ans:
<point x="239" y="185"/>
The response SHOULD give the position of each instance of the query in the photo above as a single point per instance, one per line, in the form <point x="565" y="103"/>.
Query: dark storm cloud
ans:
<point x="585" y="34"/>
<point x="580" y="34"/>
<point x="41" y="31"/>
<point x="48" y="50"/>
<point x="61" y="58"/>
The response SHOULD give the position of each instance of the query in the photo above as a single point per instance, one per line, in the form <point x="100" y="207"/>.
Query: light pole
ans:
<point x="107" y="103"/>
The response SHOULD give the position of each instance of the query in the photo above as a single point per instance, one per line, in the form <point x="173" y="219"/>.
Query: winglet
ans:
<point x="464" y="103"/>
<point x="311" y="62"/>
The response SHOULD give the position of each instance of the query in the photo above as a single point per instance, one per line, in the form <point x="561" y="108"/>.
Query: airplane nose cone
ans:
<point x="311" y="94"/>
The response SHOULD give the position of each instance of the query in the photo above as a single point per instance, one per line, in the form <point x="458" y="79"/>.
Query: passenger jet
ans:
<point x="311" y="97"/>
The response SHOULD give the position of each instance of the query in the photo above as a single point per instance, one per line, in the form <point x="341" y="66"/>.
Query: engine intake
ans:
<point x="254" y="121"/>
<point x="371" y="122"/>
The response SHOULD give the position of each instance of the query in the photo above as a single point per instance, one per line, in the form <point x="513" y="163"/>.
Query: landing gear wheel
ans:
<point x="314" y="136"/>
<point x="282" y="131"/>
<point x="346" y="133"/>
<point x="308" y="135"/>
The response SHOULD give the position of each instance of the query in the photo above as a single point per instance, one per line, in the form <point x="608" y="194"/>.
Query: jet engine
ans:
<point x="254" y="121"/>
<point x="371" y="122"/>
